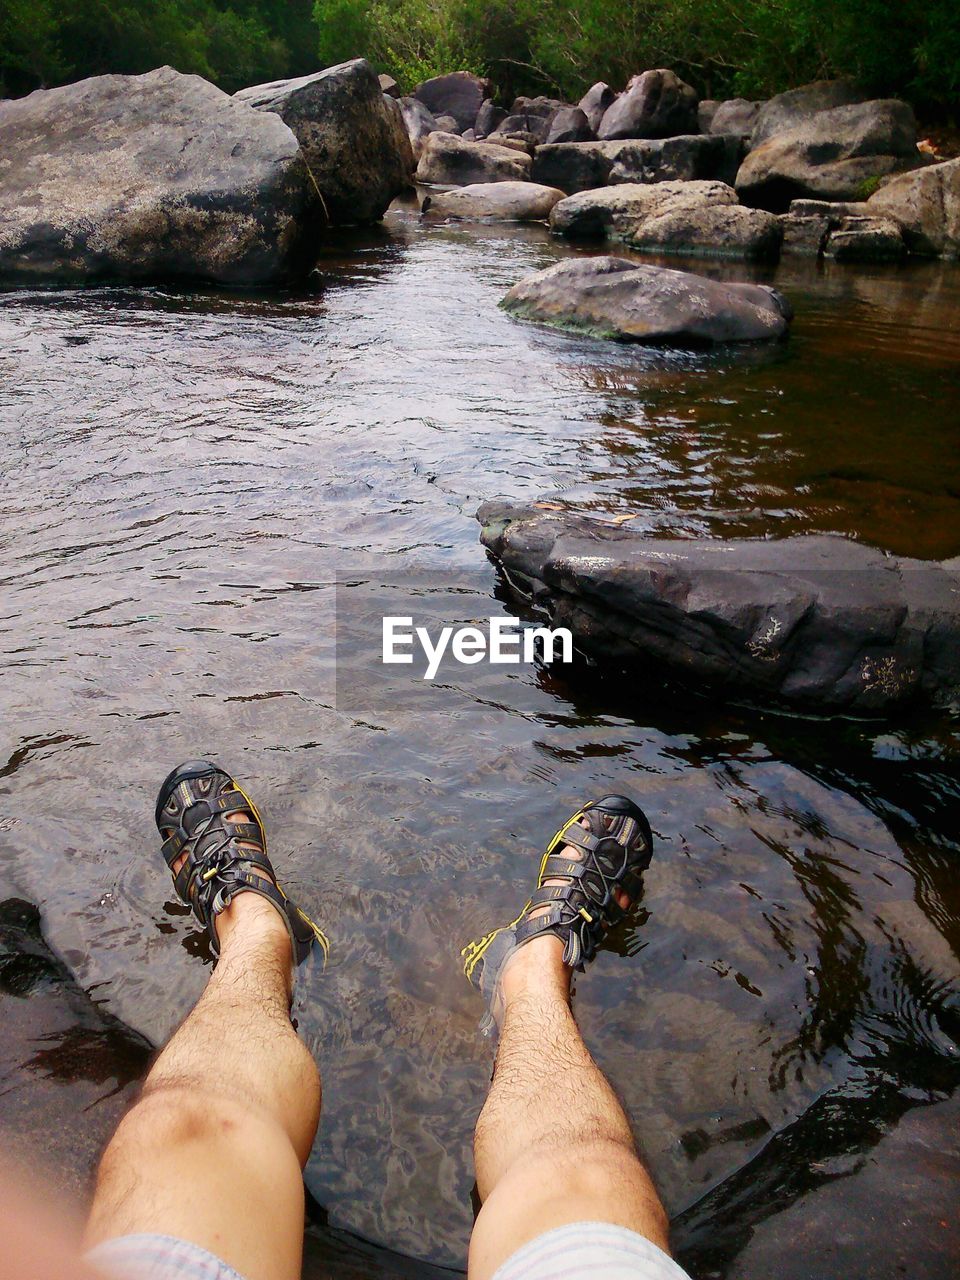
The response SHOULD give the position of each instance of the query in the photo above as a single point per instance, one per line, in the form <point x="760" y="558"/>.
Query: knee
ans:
<point x="170" y="1114"/>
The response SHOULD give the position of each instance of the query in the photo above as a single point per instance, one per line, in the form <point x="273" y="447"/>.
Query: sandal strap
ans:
<point x="224" y="858"/>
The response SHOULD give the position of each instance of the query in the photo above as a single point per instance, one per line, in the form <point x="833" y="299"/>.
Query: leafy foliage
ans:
<point x="724" y="47"/>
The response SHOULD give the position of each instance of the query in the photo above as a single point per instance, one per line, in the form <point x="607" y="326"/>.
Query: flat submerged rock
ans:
<point x="811" y="622"/>
<point x="611" y="297"/>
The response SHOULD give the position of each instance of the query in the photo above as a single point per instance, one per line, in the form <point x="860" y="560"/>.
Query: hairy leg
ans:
<point x="552" y="1144"/>
<point x="213" y="1150"/>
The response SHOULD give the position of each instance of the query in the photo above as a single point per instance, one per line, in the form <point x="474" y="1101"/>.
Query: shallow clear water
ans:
<point x="183" y="476"/>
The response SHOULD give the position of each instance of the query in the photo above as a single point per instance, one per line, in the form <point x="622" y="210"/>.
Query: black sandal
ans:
<point x="617" y="845"/>
<point x="191" y="816"/>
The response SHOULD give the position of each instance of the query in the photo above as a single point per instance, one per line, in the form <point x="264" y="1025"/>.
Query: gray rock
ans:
<point x="809" y="622"/>
<point x="458" y="94"/>
<point x="159" y="176"/>
<point x="352" y="137"/>
<point x="525" y="125"/>
<point x="706" y="110"/>
<point x="570" y="124"/>
<point x="488" y="118"/>
<point x="736" y="115"/>
<point x="926" y="207"/>
<point x="493" y="201"/>
<point x="420" y="123"/>
<point x="525" y="142"/>
<point x="613" y="298"/>
<point x="796" y="106"/>
<point x="574" y="166"/>
<point x="618" y="212"/>
<point x="448" y="160"/>
<point x="803" y="236"/>
<point x="865" y="239"/>
<point x="469" y="135"/>
<point x="544" y="108"/>
<point x="685" y="158"/>
<point x="389" y="86"/>
<point x="448" y="124"/>
<point x="831" y="156"/>
<point x="595" y="102"/>
<point x="712" y="231"/>
<point x="657" y="104"/>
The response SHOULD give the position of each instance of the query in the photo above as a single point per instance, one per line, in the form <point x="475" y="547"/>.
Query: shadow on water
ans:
<point x="209" y="502"/>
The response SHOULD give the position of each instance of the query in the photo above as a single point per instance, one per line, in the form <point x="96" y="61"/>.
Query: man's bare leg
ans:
<point x="552" y="1144"/>
<point x="213" y="1151"/>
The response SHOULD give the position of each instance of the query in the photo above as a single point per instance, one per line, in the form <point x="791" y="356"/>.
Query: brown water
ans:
<point x="184" y="474"/>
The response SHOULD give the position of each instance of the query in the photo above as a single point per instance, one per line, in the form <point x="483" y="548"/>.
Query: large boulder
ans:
<point x="419" y="122"/>
<point x="796" y="106"/>
<point x="679" y="159"/>
<point x="595" y="102"/>
<point x="459" y="94"/>
<point x="618" y="212"/>
<point x="352" y="137"/>
<point x="448" y="160"/>
<point x="835" y="155"/>
<point x="614" y="298"/>
<point x="526" y="124"/>
<point x="735" y="115"/>
<point x="926" y="207"/>
<point x="545" y="108"/>
<point x="159" y="176"/>
<point x="817" y="622"/>
<point x="570" y="124"/>
<point x="712" y="231"/>
<point x="493" y="201"/>
<point x="657" y="104"/>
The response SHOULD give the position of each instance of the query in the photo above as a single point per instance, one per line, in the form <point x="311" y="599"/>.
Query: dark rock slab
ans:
<point x="352" y="136"/>
<point x="893" y="1215"/>
<point x="459" y="94"/>
<point x="819" y="623"/>
<point x="835" y="155"/>
<point x="67" y="1069"/>
<point x="151" y="177"/>
<point x="656" y="104"/>
<point x="796" y="106"/>
<point x="614" y="298"/>
<point x="574" y="166"/>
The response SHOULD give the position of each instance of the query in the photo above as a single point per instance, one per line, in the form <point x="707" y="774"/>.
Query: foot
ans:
<point x="582" y="889"/>
<point x="215" y="846"/>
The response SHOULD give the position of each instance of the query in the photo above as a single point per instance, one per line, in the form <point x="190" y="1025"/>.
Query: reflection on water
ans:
<point x="183" y="476"/>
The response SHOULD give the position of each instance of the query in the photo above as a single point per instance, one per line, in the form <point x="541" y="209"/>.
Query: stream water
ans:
<point x="184" y="477"/>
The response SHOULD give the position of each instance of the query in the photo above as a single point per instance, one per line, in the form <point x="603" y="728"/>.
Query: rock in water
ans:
<point x="713" y="231"/>
<point x="159" y="176"/>
<point x="817" y="622"/>
<point x="926" y="207"/>
<point x="613" y="298"/>
<point x="620" y="211"/>
<point x="353" y="138"/>
<point x="448" y="160"/>
<point x="494" y="201"/>
<point x="657" y="104"/>
<point x="458" y="94"/>
<point x="796" y="106"/>
<point x="831" y="156"/>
